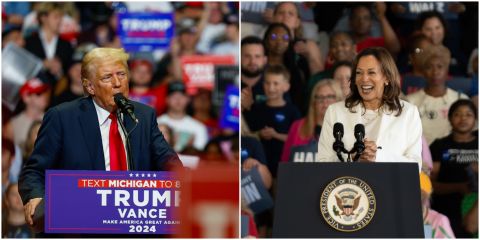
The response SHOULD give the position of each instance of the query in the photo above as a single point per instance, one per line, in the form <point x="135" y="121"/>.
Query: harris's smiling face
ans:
<point x="370" y="81"/>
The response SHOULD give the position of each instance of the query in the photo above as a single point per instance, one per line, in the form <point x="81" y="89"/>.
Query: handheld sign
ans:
<point x="113" y="202"/>
<point x="254" y="192"/>
<point x="145" y="31"/>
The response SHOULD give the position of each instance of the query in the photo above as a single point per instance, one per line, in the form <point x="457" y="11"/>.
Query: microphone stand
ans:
<point x="127" y="141"/>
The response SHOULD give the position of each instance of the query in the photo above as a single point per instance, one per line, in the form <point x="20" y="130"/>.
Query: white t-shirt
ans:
<point x="184" y="129"/>
<point x="434" y="112"/>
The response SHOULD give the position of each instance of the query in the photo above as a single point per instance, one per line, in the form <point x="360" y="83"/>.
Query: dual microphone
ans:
<point x="358" y="146"/>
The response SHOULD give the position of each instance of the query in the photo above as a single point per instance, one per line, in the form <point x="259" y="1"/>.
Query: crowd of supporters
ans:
<point x="61" y="33"/>
<point x="296" y="60"/>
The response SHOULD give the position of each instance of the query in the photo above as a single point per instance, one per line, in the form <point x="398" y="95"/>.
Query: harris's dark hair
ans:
<point x="459" y="103"/>
<point x="391" y="91"/>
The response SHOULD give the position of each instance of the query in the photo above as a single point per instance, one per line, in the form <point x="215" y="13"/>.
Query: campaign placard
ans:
<point x="230" y="117"/>
<point x="198" y="71"/>
<point x="305" y="153"/>
<point x="145" y="31"/>
<point x="111" y="202"/>
<point x="254" y="192"/>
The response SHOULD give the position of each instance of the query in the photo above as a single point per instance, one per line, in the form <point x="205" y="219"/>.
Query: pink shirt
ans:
<point x="294" y="139"/>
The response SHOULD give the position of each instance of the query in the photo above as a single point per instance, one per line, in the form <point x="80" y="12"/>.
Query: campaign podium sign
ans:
<point x="111" y="202"/>
<point x="348" y="200"/>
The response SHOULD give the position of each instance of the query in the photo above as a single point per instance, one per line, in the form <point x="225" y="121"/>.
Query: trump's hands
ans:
<point x="370" y="152"/>
<point x="29" y="209"/>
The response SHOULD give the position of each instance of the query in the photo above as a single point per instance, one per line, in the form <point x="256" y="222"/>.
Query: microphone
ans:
<point x="359" y="133"/>
<point x="125" y="106"/>
<point x="338" y="144"/>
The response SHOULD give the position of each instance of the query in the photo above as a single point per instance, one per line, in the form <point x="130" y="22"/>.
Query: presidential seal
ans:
<point x="347" y="204"/>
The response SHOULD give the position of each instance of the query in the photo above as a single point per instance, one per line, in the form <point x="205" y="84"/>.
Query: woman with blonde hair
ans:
<point x="307" y="129"/>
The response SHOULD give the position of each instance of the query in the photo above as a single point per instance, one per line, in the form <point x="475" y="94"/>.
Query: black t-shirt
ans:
<point x="455" y="159"/>
<point x="278" y="118"/>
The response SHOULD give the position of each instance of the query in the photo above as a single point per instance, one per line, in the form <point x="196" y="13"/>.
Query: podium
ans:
<point x="324" y="200"/>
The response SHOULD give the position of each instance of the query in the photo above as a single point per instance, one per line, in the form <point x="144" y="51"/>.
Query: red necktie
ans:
<point x="118" y="160"/>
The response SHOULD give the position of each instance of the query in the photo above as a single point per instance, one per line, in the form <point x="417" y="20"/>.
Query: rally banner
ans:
<point x="199" y="71"/>
<point x="111" y="202"/>
<point x="230" y="117"/>
<point x="305" y="153"/>
<point x="145" y="31"/>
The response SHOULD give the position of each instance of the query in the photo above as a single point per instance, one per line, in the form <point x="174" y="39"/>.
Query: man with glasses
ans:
<point x="85" y="134"/>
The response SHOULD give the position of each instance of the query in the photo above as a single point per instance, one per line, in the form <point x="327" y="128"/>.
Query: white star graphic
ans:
<point x="148" y="175"/>
<point x="154" y="175"/>
<point x="131" y="174"/>
<point x="136" y="174"/>
<point x="143" y="174"/>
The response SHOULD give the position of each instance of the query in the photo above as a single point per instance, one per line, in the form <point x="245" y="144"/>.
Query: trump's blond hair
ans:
<point x="98" y="55"/>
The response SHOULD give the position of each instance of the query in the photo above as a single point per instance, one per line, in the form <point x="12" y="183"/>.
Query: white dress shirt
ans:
<point x="48" y="47"/>
<point x="104" y="123"/>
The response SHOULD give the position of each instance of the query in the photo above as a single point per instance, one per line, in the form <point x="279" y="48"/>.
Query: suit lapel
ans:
<point x="91" y="133"/>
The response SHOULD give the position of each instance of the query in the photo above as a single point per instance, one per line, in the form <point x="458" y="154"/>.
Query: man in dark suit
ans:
<point x="85" y="135"/>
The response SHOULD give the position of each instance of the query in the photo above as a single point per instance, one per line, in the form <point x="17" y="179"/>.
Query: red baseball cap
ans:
<point x="34" y="86"/>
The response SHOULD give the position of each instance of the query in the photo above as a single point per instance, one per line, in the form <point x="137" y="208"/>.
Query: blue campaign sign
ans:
<point x="145" y="31"/>
<point x="231" y="109"/>
<point x="254" y="192"/>
<point x="113" y="202"/>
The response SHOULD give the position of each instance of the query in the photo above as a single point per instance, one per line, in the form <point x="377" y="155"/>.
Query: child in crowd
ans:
<point x="273" y="118"/>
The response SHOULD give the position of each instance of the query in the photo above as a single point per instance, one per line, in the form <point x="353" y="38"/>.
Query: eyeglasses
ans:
<point x="319" y="98"/>
<point x="284" y="37"/>
<point x="107" y="78"/>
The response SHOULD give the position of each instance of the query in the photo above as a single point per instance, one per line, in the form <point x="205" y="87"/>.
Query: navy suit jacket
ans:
<point x="70" y="139"/>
